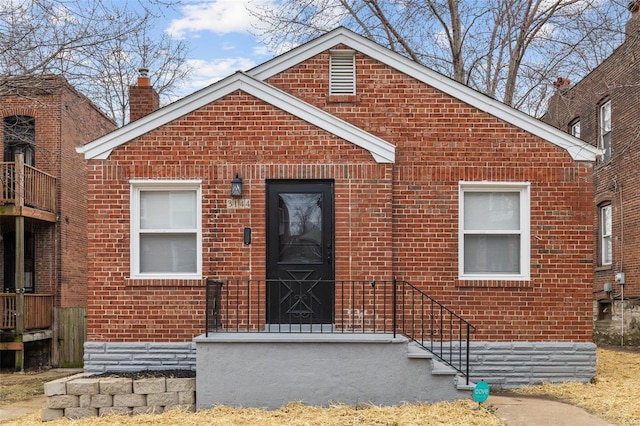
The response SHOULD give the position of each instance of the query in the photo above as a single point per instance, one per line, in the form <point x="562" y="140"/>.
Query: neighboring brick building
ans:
<point x="603" y="109"/>
<point x="356" y="164"/>
<point x="43" y="227"/>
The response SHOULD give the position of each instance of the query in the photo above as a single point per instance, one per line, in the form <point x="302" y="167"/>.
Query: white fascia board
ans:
<point x="381" y="150"/>
<point x="578" y="149"/>
<point x="101" y="148"/>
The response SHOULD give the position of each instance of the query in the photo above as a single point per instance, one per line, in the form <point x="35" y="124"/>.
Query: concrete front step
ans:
<point x="271" y="369"/>
<point x="439" y="368"/>
<point x="416" y="352"/>
<point x="442" y="369"/>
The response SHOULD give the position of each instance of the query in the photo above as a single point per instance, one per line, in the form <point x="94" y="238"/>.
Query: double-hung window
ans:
<point x="605" y="130"/>
<point x="606" y="249"/>
<point x="574" y="128"/>
<point x="166" y="231"/>
<point x="494" y="231"/>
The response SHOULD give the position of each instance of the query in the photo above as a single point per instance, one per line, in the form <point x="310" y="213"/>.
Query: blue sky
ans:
<point x="218" y="35"/>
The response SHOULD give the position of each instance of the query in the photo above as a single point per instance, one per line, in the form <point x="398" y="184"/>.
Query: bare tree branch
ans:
<point x="96" y="46"/>
<point x="504" y="48"/>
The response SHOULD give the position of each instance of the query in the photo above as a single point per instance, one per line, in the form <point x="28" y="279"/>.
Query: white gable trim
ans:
<point x="578" y="149"/>
<point x="381" y="150"/>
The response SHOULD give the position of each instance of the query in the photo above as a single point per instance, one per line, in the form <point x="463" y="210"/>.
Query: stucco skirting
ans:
<point x="269" y="370"/>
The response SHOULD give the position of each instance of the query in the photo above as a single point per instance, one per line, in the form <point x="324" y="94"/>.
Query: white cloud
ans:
<point x="217" y="16"/>
<point x="262" y="51"/>
<point x="205" y="73"/>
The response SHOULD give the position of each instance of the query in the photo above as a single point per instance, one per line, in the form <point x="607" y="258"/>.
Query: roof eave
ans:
<point x="578" y="149"/>
<point x="381" y="150"/>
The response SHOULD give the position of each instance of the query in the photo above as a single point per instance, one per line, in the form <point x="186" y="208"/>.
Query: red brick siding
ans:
<point x="45" y="112"/>
<point x="80" y="123"/>
<point x="441" y="141"/>
<point x="616" y="181"/>
<point x="397" y="220"/>
<point x="64" y="119"/>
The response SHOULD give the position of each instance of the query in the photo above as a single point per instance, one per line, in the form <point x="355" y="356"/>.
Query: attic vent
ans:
<point x="342" y="74"/>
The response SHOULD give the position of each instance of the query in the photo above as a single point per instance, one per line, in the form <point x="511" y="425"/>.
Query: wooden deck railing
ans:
<point x="27" y="186"/>
<point x="38" y="310"/>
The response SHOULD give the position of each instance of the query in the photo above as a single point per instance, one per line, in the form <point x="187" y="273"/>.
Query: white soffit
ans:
<point x="578" y="149"/>
<point x="381" y="150"/>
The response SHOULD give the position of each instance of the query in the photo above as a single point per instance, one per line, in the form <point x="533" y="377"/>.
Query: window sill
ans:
<point x="165" y="282"/>
<point x="604" y="268"/>
<point x="471" y="284"/>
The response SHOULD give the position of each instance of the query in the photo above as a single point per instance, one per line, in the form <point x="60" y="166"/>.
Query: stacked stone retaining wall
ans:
<point x="86" y="395"/>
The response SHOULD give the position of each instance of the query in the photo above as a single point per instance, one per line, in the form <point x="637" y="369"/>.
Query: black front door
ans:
<point x="300" y="272"/>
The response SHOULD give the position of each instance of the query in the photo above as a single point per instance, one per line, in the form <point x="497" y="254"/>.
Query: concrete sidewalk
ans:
<point x="516" y="410"/>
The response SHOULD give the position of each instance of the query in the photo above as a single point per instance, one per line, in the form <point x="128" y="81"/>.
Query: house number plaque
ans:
<point x="238" y="203"/>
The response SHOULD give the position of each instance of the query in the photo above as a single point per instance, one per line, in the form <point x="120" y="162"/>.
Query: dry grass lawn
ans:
<point x="20" y="387"/>
<point x="612" y="396"/>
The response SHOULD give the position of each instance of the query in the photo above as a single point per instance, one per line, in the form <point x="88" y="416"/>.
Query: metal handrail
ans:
<point x="434" y="327"/>
<point x="372" y="306"/>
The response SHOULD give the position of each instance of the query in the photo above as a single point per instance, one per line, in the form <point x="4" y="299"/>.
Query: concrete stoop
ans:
<point x="319" y="369"/>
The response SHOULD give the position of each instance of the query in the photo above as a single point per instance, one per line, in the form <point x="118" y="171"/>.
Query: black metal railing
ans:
<point x="433" y="326"/>
<point x="374" y="306"/>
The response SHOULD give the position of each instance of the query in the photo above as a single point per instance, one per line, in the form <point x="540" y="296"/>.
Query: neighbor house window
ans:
<point x="574" y="128"/>
<point x="606" y="248"/>
<point x="166" y="231"/>
<point x="19" y="137"/>
<point x="494" y="231"/>
<point x="605" y="130"/>
<point x="342" y="72"/>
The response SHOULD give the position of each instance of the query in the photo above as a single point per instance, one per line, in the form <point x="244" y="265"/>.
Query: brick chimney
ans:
<point x="633" y="24"/>
<point x="143" y="99"/>
<point x="562" y="84"/>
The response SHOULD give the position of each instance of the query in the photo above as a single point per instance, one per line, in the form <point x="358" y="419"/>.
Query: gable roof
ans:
<point x="381" y="150"/>
<point x="252" y="82"/>
<point x="578" y="149"/>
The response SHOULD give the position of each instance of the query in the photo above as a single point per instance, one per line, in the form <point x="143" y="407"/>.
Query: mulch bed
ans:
<point x="150" y="374"/>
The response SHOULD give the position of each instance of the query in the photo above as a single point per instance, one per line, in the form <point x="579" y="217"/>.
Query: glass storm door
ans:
<point x="300" y="271"/>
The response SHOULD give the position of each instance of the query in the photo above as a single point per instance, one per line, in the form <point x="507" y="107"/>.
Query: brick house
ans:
<point x="339" y="196"/>
<point x="602" y="110"/>
<point x="43" y="220"/>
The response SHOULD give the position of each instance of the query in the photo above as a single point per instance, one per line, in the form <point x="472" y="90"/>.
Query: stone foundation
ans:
<point x="620" y="329"/>
<point x="86" y="395"/>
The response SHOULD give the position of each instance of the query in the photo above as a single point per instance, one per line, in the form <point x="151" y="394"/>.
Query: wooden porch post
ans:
<point x="19" y="253"/>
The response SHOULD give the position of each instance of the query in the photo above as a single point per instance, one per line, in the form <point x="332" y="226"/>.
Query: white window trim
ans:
<point x="575" y="128"/>
<point x="136" y="186"/>
<point x="604" y="107"/>
<point x="525" y="228"/>
<point x="603" y="235"/>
